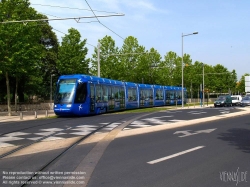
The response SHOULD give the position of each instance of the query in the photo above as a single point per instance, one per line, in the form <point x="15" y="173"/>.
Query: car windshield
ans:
<point x="65" y="91"/>
<point x="221" y="98"/>
<point x="234" y="98"/>
<point x="246" y="98"/>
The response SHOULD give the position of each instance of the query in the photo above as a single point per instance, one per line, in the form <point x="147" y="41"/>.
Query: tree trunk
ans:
<point x="16" y="94"/>
<point x="8" y="93"/>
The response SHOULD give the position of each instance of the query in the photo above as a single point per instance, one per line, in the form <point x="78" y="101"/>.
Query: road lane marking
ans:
<point x="186" y="133"/>
<point x="174" y="155"/>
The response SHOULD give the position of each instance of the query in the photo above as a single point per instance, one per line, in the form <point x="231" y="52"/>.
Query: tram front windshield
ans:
<point x="65" y="91"/>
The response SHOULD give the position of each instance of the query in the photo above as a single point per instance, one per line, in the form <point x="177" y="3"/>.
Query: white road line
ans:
<point x="2" y="144"/>
<point x="17" y="134"/>
<point x="175" y="120"/>
<point x="174" y="155"/>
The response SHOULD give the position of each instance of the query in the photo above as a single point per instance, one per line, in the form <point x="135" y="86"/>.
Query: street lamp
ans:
<point x="51" y="90"/>
<point x="203" y="85"/>
<point x="98" y="60"/>
<point x="182" y="89"/>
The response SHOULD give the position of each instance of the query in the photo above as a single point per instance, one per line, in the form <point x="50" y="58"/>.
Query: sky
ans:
<point x="222" y="25"/>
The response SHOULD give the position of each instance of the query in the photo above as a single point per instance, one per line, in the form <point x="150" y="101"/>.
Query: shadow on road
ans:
<point x="237" y="137"/>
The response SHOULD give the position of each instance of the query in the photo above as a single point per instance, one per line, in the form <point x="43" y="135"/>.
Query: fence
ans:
<point x="27" y="107"/>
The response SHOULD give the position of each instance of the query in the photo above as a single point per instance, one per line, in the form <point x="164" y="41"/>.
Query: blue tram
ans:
<point x="85" y="95"/>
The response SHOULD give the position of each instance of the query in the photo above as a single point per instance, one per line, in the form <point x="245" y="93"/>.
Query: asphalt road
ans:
<point x="24" y="132"/>
<point x="218" y="158"/>
<point x="201" y="154"/>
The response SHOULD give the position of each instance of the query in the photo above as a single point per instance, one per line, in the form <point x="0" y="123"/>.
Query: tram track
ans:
<point x="58" y="156"/>
<point x="34" y="126"/>
<point x="65" y="150"/>
<point x="53" y="134"/>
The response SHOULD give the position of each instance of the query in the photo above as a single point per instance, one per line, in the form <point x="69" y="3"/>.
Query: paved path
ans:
<point x="25" y="115"/>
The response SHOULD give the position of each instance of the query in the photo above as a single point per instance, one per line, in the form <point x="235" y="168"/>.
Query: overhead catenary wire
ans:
<point x="75" y="18"/>
<point x="102" y="23"/>
<point x="98" y="45"/>
<point x="65" y="34"/>
<point x="215" y="73"/>
<point x="76" y="8"/>
<point x="93" y="11"/>
<point x="61" y="17"/>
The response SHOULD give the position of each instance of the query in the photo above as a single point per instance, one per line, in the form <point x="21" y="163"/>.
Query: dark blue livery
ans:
<point x="85" y="95"/>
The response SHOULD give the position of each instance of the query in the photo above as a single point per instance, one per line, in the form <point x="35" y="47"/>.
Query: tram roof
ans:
<point x="115" y="82"/>
<point x="92" y="79"/>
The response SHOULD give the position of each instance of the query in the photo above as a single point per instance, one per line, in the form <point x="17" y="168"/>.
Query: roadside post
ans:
<point x="201" y="94"/>
<point x="21" y="115"/>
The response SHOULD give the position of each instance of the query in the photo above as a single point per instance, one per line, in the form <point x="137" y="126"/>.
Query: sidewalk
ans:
<point x="25" y="115"/>
<point x="191" y="106"/>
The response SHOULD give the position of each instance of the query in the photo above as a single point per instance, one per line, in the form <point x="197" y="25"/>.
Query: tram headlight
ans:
<point x="68" y="106"/>
<point x="55" y="106"/>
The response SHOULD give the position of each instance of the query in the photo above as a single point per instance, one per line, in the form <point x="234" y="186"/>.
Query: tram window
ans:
<point x="105" y="93"/>
<point x="172" y="95"/>
<point x="99" y="93"/>
<point x="81" y="93"/>
<point x="148" y="94"/>
<point x="132" y="94"/>
<point x="109" y="92"/>
<point x="113" y="93"/>
<point x="121" y="94"/>
<point x="151" y="94"/>
<point x="159" y="94"/>
<point x="168" y="94"/>
<point x="141" y="95"/>
<point x="92" y="92"/>
<point x="116" y="93"/>
<point x="179" y="94"/>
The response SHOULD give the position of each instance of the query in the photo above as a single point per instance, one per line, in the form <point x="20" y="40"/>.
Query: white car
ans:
<point x="236" y="99"/>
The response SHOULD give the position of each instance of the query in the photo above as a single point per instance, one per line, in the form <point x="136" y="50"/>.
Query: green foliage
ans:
<point x="72" y="54"/>
<point x="147" y="69"/>
<point x="108" y="59"/>
<point x="30" y="54"/>
<point x="130" y="52"/>
<point x="25" y="47"/>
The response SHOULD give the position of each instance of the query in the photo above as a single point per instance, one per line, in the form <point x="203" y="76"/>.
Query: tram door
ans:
<point x="92" y="98"/>
<point x="111" y="98"/>
<point x="142" y="98"/>
<point x="167" y="97"/>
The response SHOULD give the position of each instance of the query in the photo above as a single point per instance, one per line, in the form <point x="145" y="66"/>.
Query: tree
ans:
<point x="47" y="64"/>
<point x="221" y="76"/>
<point x="168" y="69"/>
<point x="130" y="51"/>
<point x="72" y="54"/>
<point x="109" y="55"/>
<point x="19" y="48"/>
<point x="147" y="70"/>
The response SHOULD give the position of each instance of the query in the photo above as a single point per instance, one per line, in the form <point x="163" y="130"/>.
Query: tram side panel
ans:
<point x="158" y="96"/>
<point x="132" y="95"/>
